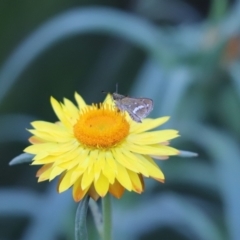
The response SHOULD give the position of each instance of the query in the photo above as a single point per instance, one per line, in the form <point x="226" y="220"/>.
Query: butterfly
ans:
<point x="138" y="108"/>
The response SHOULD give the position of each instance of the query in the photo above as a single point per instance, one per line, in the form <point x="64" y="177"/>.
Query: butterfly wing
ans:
<point x="138" y="108"/>
<point x="143" y="107"/>
<point x="117" y="99"/>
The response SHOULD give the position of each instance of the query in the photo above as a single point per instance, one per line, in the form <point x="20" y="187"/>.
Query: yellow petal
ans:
<point x="124" y="161"/>
<point x="150" y="150"/>
<point x="83" y="160"/>
<point x="35" y="140"/>
<point x="111" y="161"/>
<point x="78" y="192"/>
<point x="101" y="185"/>
<point x="81" y="103"/>
<point x="66" y="182"/>
<point x="45" y="175"/>
<point x="136" y="183"/>
<point x="99" y="164"/>
<point x="148" y="138"/>
<point x="47" y="137"/>
<point x="71" y="110"/>
<point x="42" y="147"/>
<point x="159" y="157"/>
<point x="64" y="148"/>
<point x="109" y="100"/>
<point x="109" y="173"/>
<point x="87" y="179"/>
<point x="116" y="189"/>
<point x="152" y="167"/>
<point x="43" y="169"/>
<point x="42" y="156"/>
<point x="49" y="127"/>
<point x="123" y="177"/>
<point x="91" y="159"/>
<point x="92" y="193"/>
<point x="142" y="181"/>
<point x="59" y="112"/>
<point x="132" y="158"/>
<point x="67" y="165"/>
<point x="76" y="174"/>
<point x="64" y="159"/>
<point x="148" y="124"/>
<point x="55" y="172"/>
<point x="42" y="161"/>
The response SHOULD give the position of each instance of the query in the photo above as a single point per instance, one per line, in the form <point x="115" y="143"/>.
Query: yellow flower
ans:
<point x="98" y="149"/>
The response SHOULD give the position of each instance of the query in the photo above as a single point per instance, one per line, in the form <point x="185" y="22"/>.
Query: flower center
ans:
<point x="101" y="127"/>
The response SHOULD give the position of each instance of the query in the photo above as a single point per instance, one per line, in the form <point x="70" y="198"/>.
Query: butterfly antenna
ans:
<point x="116" y="87"/>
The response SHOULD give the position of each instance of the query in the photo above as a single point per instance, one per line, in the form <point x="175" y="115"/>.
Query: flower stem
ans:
<point x="97" y="217"/>
<point x="107" y="217"/>
<point x="80" y="220"/>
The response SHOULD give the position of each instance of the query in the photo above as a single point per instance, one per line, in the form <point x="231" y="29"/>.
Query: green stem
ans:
<point x="107" y="217"/>
<point x="97" y="217"/>
<point x="80" y="220"/>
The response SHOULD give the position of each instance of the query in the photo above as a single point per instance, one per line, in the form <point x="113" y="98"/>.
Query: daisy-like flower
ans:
<point x="98" y="149"/>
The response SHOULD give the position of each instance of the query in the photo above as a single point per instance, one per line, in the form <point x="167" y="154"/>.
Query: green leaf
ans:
<point x="22" y="158"/>
<point x="80" y="220"/>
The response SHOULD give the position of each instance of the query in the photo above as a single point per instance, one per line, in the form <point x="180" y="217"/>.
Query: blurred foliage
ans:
<point x="182" y="54"/>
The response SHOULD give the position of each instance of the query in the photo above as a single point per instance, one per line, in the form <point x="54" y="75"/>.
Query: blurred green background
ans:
<point x="182" y="54"/>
